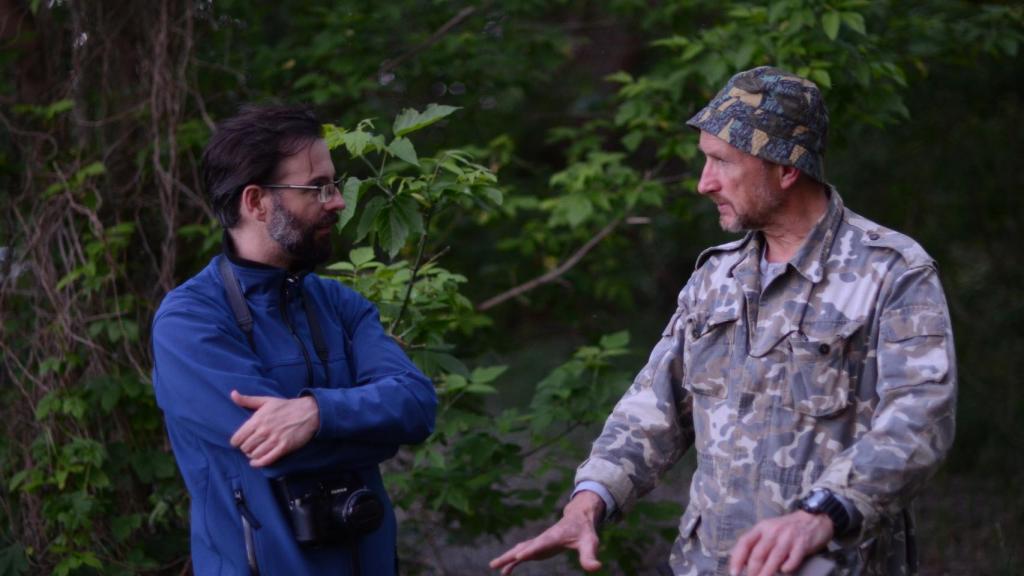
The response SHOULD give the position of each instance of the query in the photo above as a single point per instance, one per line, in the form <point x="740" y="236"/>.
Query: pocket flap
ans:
<point x="700" y="323"/>
<point x="906" y="323"/>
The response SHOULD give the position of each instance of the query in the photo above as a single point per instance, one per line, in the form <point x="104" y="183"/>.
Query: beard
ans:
<point x="299" y="238"/>
<point x="763" y="204"/>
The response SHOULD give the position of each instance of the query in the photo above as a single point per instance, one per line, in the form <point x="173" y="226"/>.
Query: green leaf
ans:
<point x="17" y="479"/>
<point x="616" y="340"/>
<point x="396" y="233"/>
<point x="356" y="142"/>
<point x="58" y="107"/>
<point x="455" y="382"/>
<point x="692" y="51"/>
<point x="411" y="120"/>
<point x="402" y="148"/>
<point x="493" y="194"/>
<point x="123" y="526"/>
<point x="333" y="136"/>
<point x="94" y="169"/>
<point x="632" y="140"/>
<point x="830" y="23"/>
<point x="478" y="388"/>
<point x="409" y="211"/>
<point x="350" y="194"/>
<point x="622" y="77"/>
<point x="821" y="78"/>
<point x="577" y="209"/>
<point x="855" y="21"/>
<point x="360" y="256"/>
<point x="487" y="374"/>
<point x="373" y="207"/>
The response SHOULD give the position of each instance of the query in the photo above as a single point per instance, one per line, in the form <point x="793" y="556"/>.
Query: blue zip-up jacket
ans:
<point x="376" y="399"/>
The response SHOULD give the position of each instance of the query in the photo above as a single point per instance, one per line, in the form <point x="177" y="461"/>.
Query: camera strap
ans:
<point x="318" y="337"/>
<point x="243" y="316"/>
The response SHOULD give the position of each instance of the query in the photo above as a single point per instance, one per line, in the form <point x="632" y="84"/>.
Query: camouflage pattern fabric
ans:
<point x="840" y="373"/>
<point x="773" y="115"/>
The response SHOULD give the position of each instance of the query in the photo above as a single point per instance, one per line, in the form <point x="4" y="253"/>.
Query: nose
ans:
<point x="708" y="183"/>
<point x="336" y="202"/>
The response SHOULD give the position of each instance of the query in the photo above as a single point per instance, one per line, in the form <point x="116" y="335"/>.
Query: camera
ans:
<point x="330" y="509"/>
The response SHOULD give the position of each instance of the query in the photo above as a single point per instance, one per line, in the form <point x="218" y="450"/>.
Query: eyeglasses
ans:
<point x="324" y="192"/>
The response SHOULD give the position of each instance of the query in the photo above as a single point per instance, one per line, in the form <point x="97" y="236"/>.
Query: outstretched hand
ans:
<point x="277" y="427"/>
<point x="575" y="531"/>
<point x="780" y="544"/>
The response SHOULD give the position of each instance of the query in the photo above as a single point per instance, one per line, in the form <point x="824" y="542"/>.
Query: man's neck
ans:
<point x="793" y="222"/>
<point x="258" y="248"/>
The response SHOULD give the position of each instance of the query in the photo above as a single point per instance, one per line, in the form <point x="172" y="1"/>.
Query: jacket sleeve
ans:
<point x="913" y="424"/>
<point x="391" y="402"/>
<point x="199" y="360"/>
<point x="649" y="429"/>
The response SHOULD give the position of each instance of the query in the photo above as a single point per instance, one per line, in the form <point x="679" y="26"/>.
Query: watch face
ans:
<point x="816" y="500"/>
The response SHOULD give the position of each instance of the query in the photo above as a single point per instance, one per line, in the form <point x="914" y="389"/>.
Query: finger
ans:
<point x="778" y="553"/>
<point x="260" y="450"/>
<point x="250" y="444"/>
<point x="250" y="402"/>
<point x="244" y="432"/>
<point x="759" y="554"/>
<point x="796" y="557"/>
<point x="538" y="548"/>
<point x="588" y="553"/>
<point x="269" y="458"/>
<point x="508" y="556"/>
<point x="741" y="551"/>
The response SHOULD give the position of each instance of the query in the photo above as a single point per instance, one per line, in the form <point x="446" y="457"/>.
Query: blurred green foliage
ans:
<point x="484" y="145"/>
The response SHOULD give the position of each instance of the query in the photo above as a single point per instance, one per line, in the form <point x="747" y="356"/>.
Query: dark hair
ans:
<point x="246" y="149"/>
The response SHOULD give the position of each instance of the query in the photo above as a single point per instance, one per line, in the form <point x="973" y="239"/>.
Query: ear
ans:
<point x="254" y="203"/>
<point x="788" y="176"/>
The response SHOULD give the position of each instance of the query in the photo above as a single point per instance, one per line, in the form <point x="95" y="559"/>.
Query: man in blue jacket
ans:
<point x="281" y="390"/>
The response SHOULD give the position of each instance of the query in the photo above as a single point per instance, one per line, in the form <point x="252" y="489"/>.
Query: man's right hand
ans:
<point x="576" y="530"/>
<point x="277" y="427"/>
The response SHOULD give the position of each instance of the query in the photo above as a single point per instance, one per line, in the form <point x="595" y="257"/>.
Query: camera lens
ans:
<point x="359" y="512"/>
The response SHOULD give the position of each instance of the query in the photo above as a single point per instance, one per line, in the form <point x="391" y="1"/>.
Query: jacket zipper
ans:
<point x="289" y="282"/>
<point x="249" y="523"/>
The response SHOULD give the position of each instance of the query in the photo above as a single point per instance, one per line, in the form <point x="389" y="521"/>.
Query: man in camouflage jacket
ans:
<point x="810" y="363"/>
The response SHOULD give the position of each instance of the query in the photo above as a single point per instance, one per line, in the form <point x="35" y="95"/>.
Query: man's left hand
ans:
<point x="277" y="427"/>
<point x="780" y="544"/>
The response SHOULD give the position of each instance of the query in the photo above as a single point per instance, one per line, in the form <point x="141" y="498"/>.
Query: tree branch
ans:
<point x="389" y="65"/>
<point x="553" y="274"/>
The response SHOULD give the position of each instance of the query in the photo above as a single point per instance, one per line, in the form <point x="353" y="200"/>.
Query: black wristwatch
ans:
<point x="823" y="501"/>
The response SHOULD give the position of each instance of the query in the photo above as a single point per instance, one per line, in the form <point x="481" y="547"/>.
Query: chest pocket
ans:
<point x="819" y="374"/>
<point x="707" y="351"/>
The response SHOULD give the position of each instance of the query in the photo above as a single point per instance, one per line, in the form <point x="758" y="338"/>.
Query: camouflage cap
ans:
<point x="772" y="114"/>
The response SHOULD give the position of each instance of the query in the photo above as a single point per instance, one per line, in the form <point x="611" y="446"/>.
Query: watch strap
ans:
<point x="831" y="507"/>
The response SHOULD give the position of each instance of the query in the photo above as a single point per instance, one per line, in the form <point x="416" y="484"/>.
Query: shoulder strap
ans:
<point x="318" y="337"/>
<point x="234" y="291"/>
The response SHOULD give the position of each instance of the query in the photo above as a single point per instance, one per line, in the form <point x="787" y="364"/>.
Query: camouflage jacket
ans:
<point x="840" y="373"/>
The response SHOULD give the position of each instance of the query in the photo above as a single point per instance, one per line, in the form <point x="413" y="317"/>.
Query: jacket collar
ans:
<point x="810" y="259"/>
<point x="257" y="277"/>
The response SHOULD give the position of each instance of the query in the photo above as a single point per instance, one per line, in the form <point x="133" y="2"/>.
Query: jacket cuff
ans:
<point x="325" y="430"/>
<point x="612" y="477"/>
<point x="863" y="512"/>
<point x="597" y="488"/>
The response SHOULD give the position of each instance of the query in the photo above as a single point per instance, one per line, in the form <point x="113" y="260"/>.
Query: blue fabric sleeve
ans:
<point x="199" y="360"/>
<point x="392" y="400"/>
<point x="599" y="489"/>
